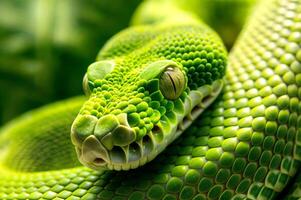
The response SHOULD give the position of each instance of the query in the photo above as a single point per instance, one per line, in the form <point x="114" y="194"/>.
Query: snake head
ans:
<point x="141" y="102"/>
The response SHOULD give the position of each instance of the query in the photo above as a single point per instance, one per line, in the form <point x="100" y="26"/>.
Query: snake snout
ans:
<point x="114" y="130"/>
<point x="95" y="139"/>
<point x="93" y="154"/>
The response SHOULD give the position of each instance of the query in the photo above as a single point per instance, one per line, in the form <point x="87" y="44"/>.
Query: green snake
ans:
<point x="149" y="84"/>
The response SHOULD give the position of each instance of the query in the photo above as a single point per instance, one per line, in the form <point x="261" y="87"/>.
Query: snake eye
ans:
<point x="172" y="82"/>
<point x="97" y="70"/>
<point x="86" y="87"/>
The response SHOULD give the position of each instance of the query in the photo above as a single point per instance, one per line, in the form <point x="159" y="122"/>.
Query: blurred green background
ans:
<point x="46" y="45"/>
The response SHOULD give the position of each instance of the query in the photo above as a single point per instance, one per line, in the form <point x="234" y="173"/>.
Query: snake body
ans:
<point x="246" y="145"/>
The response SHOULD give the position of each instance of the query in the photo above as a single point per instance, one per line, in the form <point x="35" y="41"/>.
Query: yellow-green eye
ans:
<point x="172" y="82"/>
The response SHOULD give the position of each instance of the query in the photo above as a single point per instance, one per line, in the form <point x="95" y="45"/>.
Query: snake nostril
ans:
<point x="99" y="161"/>
<point x="93" y="154"/>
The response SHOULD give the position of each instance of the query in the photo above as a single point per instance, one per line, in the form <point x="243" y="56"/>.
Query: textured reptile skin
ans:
<point x="148" y="84"/>
<point x="245" y="146"/>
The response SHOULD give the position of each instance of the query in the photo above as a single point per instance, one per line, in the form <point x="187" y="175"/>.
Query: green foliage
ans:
<point x="46" y="46"/>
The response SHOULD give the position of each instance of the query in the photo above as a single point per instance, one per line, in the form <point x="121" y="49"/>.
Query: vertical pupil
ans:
<point x="172" y="82"/>
<point x="169" y="74"/>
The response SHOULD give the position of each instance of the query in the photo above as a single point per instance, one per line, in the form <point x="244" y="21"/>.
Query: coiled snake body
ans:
<point x="148" y="84"/>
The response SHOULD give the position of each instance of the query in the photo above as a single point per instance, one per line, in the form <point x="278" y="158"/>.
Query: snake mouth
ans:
<point x="110" y="143"/>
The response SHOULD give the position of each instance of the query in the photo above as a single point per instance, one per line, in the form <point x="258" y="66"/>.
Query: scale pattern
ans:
<point x="245" y="146"/>
<point x="153" y="119"/>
